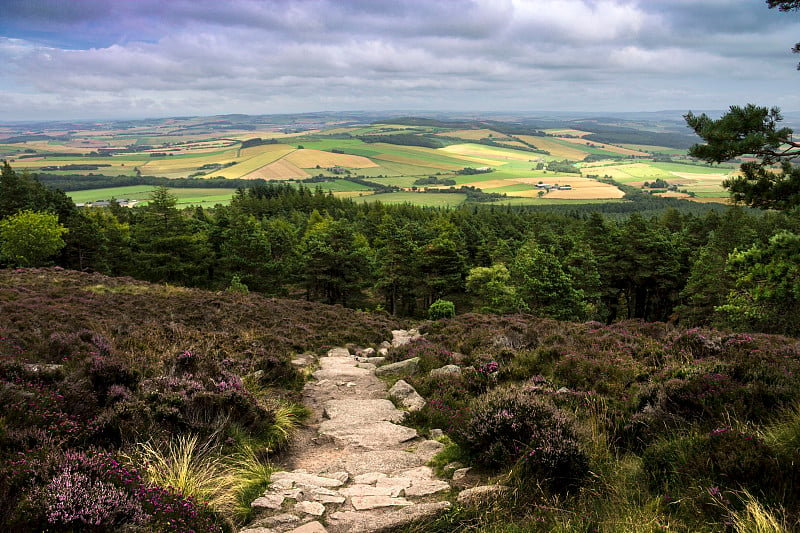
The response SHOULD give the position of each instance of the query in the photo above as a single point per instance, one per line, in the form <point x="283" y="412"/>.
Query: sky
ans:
<point x="104" y="59"/>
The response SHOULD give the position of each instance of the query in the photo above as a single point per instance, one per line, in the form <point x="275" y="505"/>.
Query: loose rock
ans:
<point x="446" y="370"/>
<point x="409" y="366"/>
<point x="480" y="495"/>
<point x="407" y="396"/>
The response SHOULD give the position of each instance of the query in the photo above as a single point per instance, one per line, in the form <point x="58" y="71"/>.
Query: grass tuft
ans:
<point x="755" y="518"/>
<point x="193" y="469"/>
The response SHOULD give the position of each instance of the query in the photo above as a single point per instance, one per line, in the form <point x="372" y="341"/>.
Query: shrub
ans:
<point x="432" y="355"/>
<point x="441" y="309"/>
<point x="728" y="458"/>
<point x="92" y="491"/>
<point x="514" y="424"/>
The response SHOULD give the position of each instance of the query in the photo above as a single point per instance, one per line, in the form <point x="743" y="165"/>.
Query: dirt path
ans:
<point x="353" y="469"/>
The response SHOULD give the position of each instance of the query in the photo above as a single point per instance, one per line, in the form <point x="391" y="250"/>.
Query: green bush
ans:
<point x="724" y="458"/>
<point x="509" y="425"/>
<point x="441" y="309"/>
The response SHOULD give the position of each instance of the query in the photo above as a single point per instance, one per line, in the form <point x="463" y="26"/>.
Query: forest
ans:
<point x="659" y="260"/>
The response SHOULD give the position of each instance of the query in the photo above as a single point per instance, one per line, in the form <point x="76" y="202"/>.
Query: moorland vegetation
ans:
<point x="624" y="367"/>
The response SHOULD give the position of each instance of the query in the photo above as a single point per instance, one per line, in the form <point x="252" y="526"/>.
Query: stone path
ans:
<point x="354" y="469"/>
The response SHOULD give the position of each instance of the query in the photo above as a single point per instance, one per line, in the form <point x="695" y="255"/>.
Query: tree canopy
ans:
<point x="787" y="5"/>
<point x="753" y="131"/>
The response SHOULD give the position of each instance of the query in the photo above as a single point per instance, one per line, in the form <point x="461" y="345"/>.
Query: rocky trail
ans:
<point x="353" y="468"/>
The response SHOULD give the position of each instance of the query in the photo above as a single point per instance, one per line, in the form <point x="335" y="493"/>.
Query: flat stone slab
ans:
<point x="338" y="352"/>
<point x="351" y="411"/>
<point x="268" y="501"/>
<point x="373" y="435"/>
<point x="278" y="520"/>
<point x="387" y="461"/>
<point x="312" y="508"/>
<point x="311" y="527"/>
<point x="365" y="503"/>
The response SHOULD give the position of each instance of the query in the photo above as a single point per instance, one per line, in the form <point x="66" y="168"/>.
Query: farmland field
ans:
<point x="425" y="199"/>
<point x="142" y="193"/>
<point x="192" y="148"/>
<point x="558" y="149"/>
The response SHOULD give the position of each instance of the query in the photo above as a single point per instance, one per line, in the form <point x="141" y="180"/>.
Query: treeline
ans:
<point x="293" y="241"/>
<point x="403" y="139"/>
<point x="80" y="182"/>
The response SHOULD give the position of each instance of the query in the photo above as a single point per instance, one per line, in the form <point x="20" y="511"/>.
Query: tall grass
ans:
<point x="755" y="518"/>
<point x="195" y="470"/>
<point x="251" y="473"/>
<point x="226" y="484"/>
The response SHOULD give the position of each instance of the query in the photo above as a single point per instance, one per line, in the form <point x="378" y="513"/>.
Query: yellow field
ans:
<point x="312" y="158"/>
<point x="555" y="149"/>
<point x="264" y="149"/>
<point x="416" y="162"/>
<point x="475" y="135"/>
<point x="567" y="131"/>
<point x="488" y="155"/>
<point x="582" y="188"/>
<point x="279" y="170"/>
<point x="253" y="163"/>
<point x="608" y="147"/>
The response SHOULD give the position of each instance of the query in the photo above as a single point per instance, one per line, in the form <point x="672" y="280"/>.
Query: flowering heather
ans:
<point x="507" y="425"/>
<point x="92" y="490"/>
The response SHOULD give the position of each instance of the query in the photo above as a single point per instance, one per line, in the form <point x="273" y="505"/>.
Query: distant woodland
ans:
<point x="650" y="258"/>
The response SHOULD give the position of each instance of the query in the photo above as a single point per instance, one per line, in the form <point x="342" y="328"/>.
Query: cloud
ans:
<point x="194" y="56"/>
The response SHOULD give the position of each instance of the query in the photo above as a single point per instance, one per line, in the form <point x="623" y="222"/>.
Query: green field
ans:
<point x="416" y="198"/>
<point x="206" y="153"/>
<point x="186" y="197"/>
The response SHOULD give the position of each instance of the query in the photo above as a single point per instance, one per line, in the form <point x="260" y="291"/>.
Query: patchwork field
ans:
<point x="608" y="147"/>
<point x="317" y="158"/>
<point x="557" y="148"/>
<point x="192" y="148"/>
<point x="475" y="135"/>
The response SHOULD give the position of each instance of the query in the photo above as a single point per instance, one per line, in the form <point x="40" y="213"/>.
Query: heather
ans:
<point x="128" y="406"/>
<point x="631" y="426"/>
<point x="131" y="406"/>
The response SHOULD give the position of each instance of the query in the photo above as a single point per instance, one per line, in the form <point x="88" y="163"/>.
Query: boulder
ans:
<point x="409" y="366"/>
<point x="407" y="396"/>
<point x="446" y="370"/>
<point x="402" y="336"/>
<point x="480" y="495"/>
